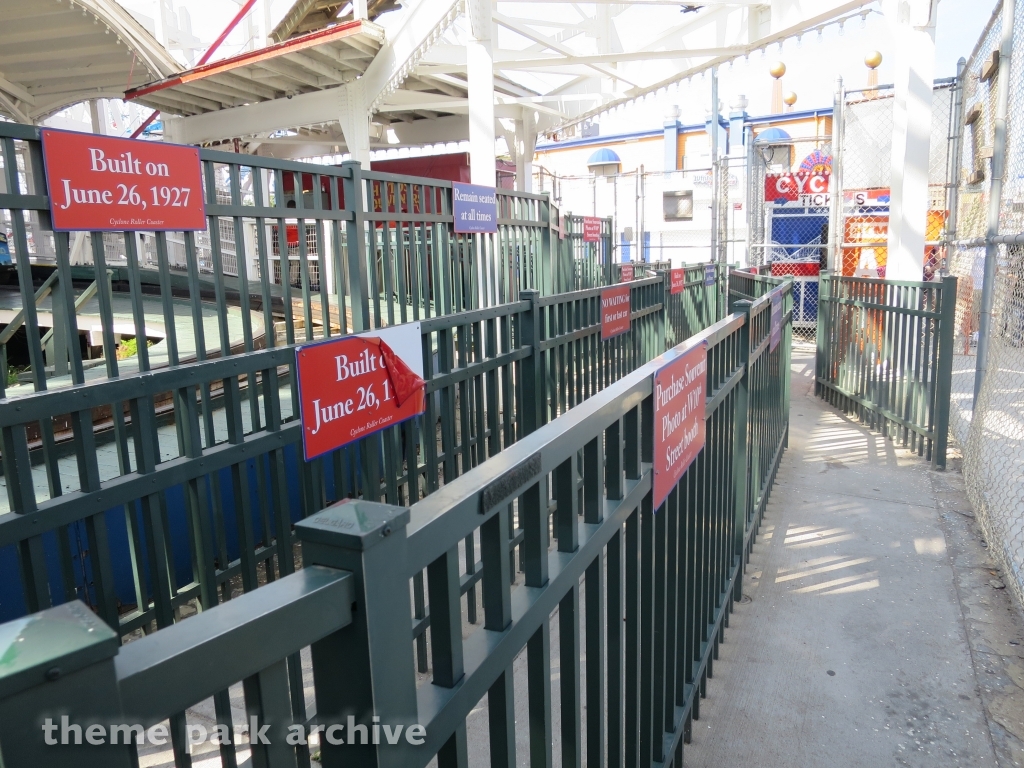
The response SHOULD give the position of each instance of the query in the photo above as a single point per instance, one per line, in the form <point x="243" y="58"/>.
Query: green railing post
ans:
<point x="664" y="319"/>
<point x="534" y="403"/>
<point x="57" y="349"/>
<point x="740" y="438"/>
<point x="823" y="334"/>
<point x="609" y="252"/>
<point x="62" y="666"/>
<point x="547" y="244"/>
<point x="722" y="286"/>
<point x="944" y="370"/>
<point x="358" y="257"/>
<point x="365" y="669"/>
<point x="786" y="359"/>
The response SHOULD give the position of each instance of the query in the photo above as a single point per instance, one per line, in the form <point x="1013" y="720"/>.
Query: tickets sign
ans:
<point x="475" y="208"/>
<point x="680" y="393"/>
<point x="107" y="183"/>
<point x="776" y="329"/>
<point x="677" y="281"/>
<point x="357" y="385"/>
<point x="615" y="311"/>
<point x="626" y="273"/>
<point x="591" y="229"/>
<point x="793" y="187"/>
<point x="878" y="196"/>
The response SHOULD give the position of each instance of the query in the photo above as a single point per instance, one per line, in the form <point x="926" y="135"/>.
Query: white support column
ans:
<point x="355" y="122"/>
<point x="97" y="112"/>
<point x="913" y="24"/>
<point x="480" y="74"/>
<point x="160" y="22"/>
<point x="526" y="146"/>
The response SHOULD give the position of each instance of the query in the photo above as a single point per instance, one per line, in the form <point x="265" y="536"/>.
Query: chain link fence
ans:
<point x="972" y="149"/>
<point x="990" y="429"/>
<point x="863" y="171"/>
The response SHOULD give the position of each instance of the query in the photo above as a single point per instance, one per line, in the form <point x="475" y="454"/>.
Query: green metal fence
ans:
<point x="154" y="477"/>
<point x="641" y="597"/>
<point x="885" y="355"/>
<point x="751" y="283"/>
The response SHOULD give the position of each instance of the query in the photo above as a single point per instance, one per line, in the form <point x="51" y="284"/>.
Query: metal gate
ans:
<point x="148" y="404"/>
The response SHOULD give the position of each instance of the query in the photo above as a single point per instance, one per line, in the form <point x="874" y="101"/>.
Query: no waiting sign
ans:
<point x="616" y="312"/>
<point x="357" y="385"/>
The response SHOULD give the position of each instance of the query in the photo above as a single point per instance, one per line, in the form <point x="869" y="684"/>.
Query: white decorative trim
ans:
<point x="399" y="77"/>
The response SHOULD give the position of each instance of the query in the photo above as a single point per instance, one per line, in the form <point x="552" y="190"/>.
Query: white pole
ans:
<point x="913" y="24"/>
<point x="995" y="194"/>
<point x="715" y="179"/>
<point x="480" y="74"/>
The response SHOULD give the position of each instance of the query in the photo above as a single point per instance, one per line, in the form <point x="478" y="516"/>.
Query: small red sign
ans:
<point x="626" y="273"/>
<point x="791" y="186"/>
<point x="677" y="281"/>
<point x="107" y="183"/>
<point x="615" y="311"/>
<point x="680" y="393"/>
<point x="357" y="385"/>
<point x="591" y="229"/>
<point x="796" y="268"/>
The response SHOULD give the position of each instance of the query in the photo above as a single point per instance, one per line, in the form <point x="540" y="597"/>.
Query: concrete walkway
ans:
<point x="874" y="630"/>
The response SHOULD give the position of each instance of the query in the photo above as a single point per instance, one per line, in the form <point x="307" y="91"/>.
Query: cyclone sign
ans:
<point x="803" y="187"/>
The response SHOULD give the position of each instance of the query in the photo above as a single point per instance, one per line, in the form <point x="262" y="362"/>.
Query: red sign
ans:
<point x="615" y="311"/>
<point x="107" y="183"/>
<point x="795" y="268"/>
<point x="357" y="385"/>
<point x="680" y="392"/>
<point x="790" y="187"/>
<point x="677" y="281"/>
<point x="626" y="273"/>
<point x="591" y="229"/>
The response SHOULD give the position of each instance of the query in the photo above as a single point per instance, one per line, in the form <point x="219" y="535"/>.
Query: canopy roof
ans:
<point x="311" y="62"/>
<point x="603" y="156"/>
<point x="311" y="15"/>
<point x="54" y="54"/>
<point x="556" y="63"/>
